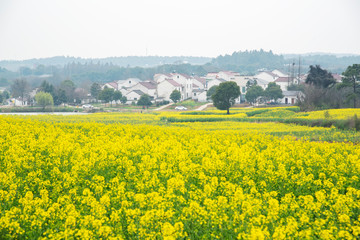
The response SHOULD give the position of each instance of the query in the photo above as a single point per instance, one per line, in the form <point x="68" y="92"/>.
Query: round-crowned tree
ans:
<point x="144" y="100"/>
<point x="175" y="96"/>
<point x="225" y="95"/>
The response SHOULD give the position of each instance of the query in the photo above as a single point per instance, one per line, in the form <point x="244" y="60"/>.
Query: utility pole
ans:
<point x="299" y="69"/>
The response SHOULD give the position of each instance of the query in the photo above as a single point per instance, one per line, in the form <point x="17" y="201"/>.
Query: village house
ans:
<point x="166" y="87"/>
<point x="127" y="83"/>
<point x="198" y="83"/>
<point x="267" y="76"/>
<point x="279" y="73"/>
<point x="290" y="97"/>
<point x="159" y="77"/>
<point x="228" y="75"/>
<point x="112" y="85"/>
<point x="199" y="95"/>
<point x="147" y="87"/>
<point x="285" y="82"/>
<point x="134" y="96"/>
<point x="214" y="82"/>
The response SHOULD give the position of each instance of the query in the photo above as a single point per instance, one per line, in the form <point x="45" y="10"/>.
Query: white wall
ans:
<point x="265" y="76"/>
<point x="165" y="88"/>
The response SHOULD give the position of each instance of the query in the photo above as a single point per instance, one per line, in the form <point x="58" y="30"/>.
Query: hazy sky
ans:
<point x="104" y="28"/>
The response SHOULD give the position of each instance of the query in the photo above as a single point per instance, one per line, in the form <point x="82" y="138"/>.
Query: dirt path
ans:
<point x="163" y="107"/>
<point x="202" y="107"/>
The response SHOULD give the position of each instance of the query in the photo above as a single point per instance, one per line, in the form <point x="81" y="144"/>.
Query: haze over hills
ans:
<point x="102" y="70"/>
<point x="128" y="61"/>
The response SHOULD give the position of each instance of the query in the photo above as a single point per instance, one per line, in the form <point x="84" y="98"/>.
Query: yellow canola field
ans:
<point x="86" y="180"/>
<point x="331" y="114"/>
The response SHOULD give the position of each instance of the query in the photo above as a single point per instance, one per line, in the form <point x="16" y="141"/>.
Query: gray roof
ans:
<point x="138" y="92"/>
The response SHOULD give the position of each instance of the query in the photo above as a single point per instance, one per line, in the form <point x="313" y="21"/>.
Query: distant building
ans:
<point x="148" y="87"/>
<point x="290" y="97"/>
<point x="166" y="87"/>
<point x="285" y="82"/>
<point x="112" y="85"/>
<point x="134" y="96"/>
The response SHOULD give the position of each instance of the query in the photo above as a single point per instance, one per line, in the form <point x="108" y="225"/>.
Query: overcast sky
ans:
<point x="104" y="28"/>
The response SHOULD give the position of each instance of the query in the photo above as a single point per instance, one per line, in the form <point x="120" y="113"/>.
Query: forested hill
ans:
<point x="249" y="62"/>
<point x="129" y="61"/>
<point x="335" y="63"/>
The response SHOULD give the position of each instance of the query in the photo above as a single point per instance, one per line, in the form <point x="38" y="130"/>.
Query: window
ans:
<point x="129" y="81"/>
<point x="243" y="89"/>
<point x="135" y="98"/>
<point x="194" y="93"/>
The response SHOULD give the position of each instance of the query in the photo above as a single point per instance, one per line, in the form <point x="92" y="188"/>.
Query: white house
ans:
<point x="159" y="77"/>
<point x="212" y="75"/>
<point x="279" y="73"/>
<point x="228" y="75"/>
<point x="147" y="87"/>
<point x="112" y="85"/>
<point x="166" y="87"/>
<point x="267" y="76"/>
<point x="285" y="82"/>
<point x="290" y="97"/>
<point x="18" y="102"/>
<point x="198" y="83"/>
<point x="241" y="81"/>
<point x="199" y="95"/>
<point x="134" y="95"/>
<point x="214" y="82"/>
<point x="127" y="83"/>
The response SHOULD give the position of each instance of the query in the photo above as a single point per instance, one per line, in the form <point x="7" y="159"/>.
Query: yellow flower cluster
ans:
<point x="71" y="178"/>
<point x="331" y="113"/>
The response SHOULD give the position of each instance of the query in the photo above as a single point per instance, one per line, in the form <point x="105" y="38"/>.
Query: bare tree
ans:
<point x="20" y="88"/>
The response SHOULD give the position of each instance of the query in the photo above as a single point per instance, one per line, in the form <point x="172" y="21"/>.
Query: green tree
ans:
<point x="253" y="93"/>
<point x="351" y="81"/>
<point x="225" y="95"/>
<point x="319" y="77"/>
<point x="123" y="99"/>
<point x="117" y="96"/>
<point x="175" y="96"/>
<point x="6" y="95"/>
<point x="250" y="83"/>
<point x="47" y="87"/>
<point x="44" y="99"/>
<point x="273" y="92"/>
<point x="95" y="89"/>
<point x="69" y="87"/>
<point x="211" y="91"/>
<point x="60" y="96"/>
<point x="107" y="95"/>
<point x="1" y="99"/>
<point x="144" y="100"/>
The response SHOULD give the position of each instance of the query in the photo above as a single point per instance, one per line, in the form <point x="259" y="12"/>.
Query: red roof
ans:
<point x="113" y="84"/>
<point x="202" y="80"/>
<point x="174" y="83"/>
<point x="283" y="79"/>
<point x="149" y="85"/>
<point x="337" y="77"/>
